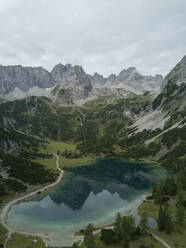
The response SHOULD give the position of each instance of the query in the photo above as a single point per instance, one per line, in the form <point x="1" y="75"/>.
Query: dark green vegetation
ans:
<point x="123" y="234"/>
<point x="168" y="206"/>
<point x="22" y="172"/>
<point x="93" y="125"/>
<point x="100" y="126"/>
<point x="168" y="95"/>
<point x="3" y="233"/>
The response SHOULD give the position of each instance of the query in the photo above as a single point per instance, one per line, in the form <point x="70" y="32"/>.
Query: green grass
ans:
<point x="149" y="208"/>
<point x="24" y="241"/>
<point x="3" y="233"/>
<point x="50" y="163"/>
<point x="146" y="240"/>
<point x="53" y="147"/>
<point x="177" y="238"/>
<point x="67" y="162"/>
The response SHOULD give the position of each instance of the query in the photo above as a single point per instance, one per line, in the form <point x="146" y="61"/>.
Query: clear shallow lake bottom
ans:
<point x="88" y="194"/>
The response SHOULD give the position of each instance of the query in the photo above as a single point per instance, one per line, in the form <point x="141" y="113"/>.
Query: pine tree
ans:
<point x="125" y="242"/>
<point x="180" y="212"/>
<point x="128" y="226"/>
<point x="168" y="220"/>
<point x="75" y="245"/>
<point x="89" y="240"/>
<point x="118" y="227"/>
<point x="161" y="219"/>
<point x="144" y="221"/>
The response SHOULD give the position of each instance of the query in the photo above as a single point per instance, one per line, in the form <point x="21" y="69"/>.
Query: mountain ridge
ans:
<point x="19" y="82"/>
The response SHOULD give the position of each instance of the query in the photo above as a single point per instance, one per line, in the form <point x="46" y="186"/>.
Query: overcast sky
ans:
<point x="101" y="35"/>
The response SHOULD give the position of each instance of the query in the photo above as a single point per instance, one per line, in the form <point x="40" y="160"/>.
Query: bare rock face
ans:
<point x="98" y="80"/>
<point x="69" y="84"/>
<point x="23" y="78"/>
<point x="73" y="84"/>
<point x="177" y="75"/>
<point x="173" y="91"/>
<point x="129" y="80"/>
<point x="58" y="71"/>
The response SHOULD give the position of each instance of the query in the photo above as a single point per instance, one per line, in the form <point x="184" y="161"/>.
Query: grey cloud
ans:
<point x="103" y="36"/>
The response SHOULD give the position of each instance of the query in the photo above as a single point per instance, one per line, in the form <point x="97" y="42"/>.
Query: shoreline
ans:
<point x="7" y="208"/>
<point x="45" y="235"/>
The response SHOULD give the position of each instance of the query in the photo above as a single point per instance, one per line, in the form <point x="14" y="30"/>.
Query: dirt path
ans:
<point x="160" y="240"/>
<point x="8" y="206"/>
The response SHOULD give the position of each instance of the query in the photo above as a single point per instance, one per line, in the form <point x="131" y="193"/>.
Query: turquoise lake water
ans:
<point x="88" y="194"/>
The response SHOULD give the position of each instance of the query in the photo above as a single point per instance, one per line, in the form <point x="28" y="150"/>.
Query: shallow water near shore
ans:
<point x="88" y="194"/>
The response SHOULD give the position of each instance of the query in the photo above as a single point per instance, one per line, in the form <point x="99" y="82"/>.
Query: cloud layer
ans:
<point x="101" y="35"/>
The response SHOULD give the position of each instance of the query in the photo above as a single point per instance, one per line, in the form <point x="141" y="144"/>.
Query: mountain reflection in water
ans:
<point x="113" y="175"/>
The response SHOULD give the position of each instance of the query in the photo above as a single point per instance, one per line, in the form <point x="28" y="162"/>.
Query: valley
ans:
<point x="87" y="125"/>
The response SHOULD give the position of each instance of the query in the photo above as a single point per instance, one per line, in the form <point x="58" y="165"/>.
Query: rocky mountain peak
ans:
<point x="158" y="78"/>
<point x="78" y="70"/>
<point x="58" y="71"/>
<point x="112" y="76"/>
<point x="97" y="76"/>
<point x="127" y="73"/>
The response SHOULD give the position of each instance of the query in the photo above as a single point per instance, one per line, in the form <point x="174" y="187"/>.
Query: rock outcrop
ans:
<point x="23" y="78"/>
<point x="177" y="75"/>
<point x="130" y="80"/>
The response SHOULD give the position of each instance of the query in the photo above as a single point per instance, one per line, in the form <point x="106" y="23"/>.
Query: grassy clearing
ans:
<point x="3" y="233"/>
<point x="50" y="163"/>
<point x="149" y="208"/>
<point x="177" y="238"/>
<point x="66" y="162"/>
<point x="55" y="146"/>
<point x="24" y="241"/>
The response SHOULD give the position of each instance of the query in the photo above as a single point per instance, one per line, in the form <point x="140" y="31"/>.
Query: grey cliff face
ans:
<point x="98" y="80"/>
<point x="58" y="71"/>
<point x="73" y="84"/>
<point x="129" y="80"/>
<point x="23" y="78"/>
<point x="71" y="76"/>
<point x="177" y="75"/>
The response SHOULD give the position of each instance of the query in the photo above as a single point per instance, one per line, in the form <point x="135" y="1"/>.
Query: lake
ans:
<point x="87" y="194"/>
